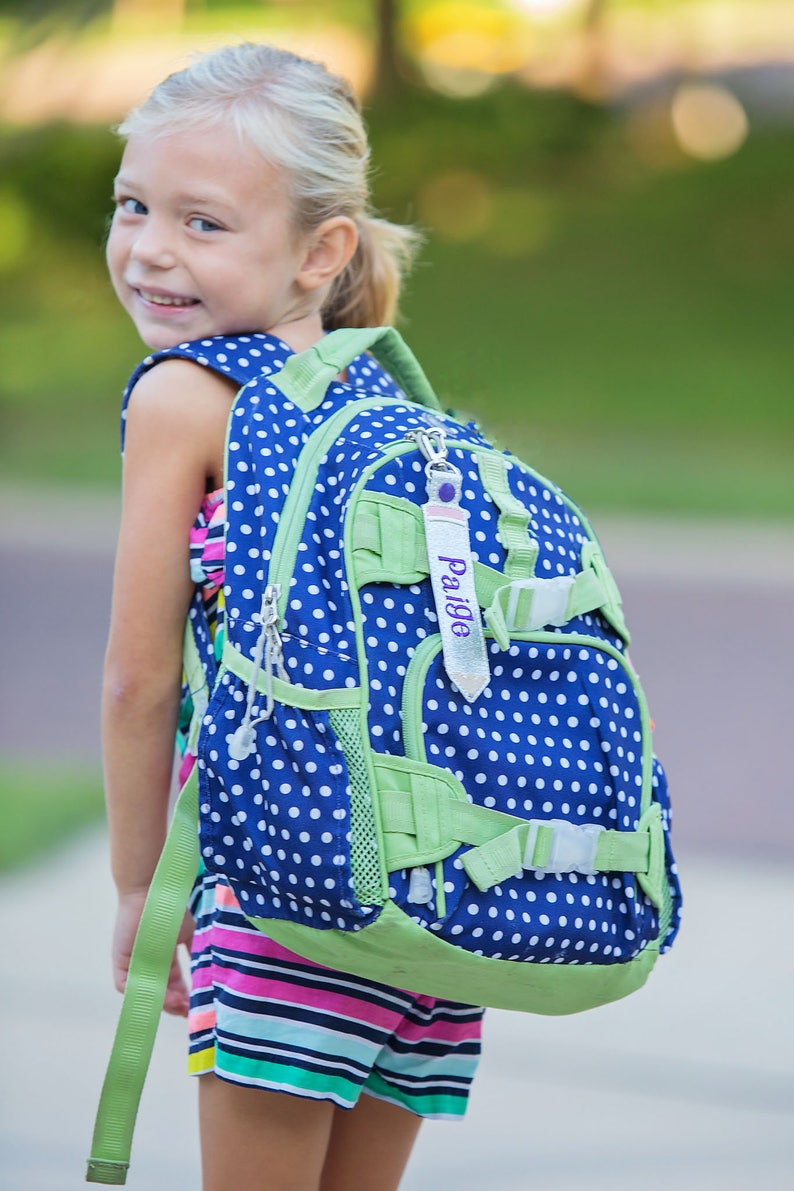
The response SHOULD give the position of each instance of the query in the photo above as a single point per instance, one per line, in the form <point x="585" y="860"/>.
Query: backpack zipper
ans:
<point x="420" y="888"/>
<point x="299" y="497"/>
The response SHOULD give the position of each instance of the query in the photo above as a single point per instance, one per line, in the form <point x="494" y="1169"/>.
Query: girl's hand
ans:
<point x="128" y="917"/>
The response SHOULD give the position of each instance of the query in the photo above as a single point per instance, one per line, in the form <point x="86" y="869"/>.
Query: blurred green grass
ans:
<point x="625" y="329"/>
<point x="43" y="805"/>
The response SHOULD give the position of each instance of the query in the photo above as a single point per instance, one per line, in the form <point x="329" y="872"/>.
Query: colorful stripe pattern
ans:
<point x="264" y="1017"/>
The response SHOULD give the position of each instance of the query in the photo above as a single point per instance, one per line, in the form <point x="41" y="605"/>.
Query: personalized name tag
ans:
<point x="452" y="577"/>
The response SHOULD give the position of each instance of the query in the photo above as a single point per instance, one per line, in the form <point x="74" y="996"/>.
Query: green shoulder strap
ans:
<point x="306" y="376"/>
<point x="143" y="999"/>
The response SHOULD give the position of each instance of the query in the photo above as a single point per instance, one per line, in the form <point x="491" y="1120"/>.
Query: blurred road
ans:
<point x="689" y="1084"/>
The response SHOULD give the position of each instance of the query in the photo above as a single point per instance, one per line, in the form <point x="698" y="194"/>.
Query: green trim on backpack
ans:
<point x="370" y="877"/>
<point x="431" y="646"/>
<point x="302" y="489"/>
<point x="398" y="952"/>
<point x="305" y="377"/>
<point x="514" y="518"/>
<point x="289" y="693"/>
<point x="426" y="817"/>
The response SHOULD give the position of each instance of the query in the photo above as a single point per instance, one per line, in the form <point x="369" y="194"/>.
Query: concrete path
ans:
<point x="688" y="1084"/>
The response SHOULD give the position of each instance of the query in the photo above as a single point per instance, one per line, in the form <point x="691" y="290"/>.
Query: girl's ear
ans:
<point x="330" y="247"/>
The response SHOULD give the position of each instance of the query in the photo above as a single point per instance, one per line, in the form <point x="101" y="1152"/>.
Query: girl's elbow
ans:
<point x="133" y="687"/>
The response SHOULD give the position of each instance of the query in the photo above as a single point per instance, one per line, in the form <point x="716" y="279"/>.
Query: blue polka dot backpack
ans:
<point x="423" y="754"/>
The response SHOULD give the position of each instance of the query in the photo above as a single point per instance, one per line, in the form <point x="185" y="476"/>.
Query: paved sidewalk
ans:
<point x="688" y="1084"/>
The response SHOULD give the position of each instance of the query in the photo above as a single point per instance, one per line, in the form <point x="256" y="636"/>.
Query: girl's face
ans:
<point x="201" y="242"/>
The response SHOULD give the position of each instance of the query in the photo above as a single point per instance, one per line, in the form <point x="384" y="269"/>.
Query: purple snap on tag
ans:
<point x="446" y="492"/>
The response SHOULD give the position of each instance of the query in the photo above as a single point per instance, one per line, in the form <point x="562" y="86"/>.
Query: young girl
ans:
<point x="241" y="234"/>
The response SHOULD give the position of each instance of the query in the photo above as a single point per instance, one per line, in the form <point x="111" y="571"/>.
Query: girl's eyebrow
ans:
<point x="186" y="198"/>
<point x="196" y="199"/>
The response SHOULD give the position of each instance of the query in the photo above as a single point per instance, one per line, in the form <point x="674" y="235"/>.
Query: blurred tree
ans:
<point x="391" y="67"/>
<point x="35" y="10"/>
<point x="38" y="12"/>
<point x="37" y="18"/>
<point x="593" y="68"/>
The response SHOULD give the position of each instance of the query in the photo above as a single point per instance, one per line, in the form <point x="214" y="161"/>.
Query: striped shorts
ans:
<point x="262" y="1016"/>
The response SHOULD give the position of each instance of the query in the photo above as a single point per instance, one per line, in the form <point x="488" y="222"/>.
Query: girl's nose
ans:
<point x="153" y="245"/>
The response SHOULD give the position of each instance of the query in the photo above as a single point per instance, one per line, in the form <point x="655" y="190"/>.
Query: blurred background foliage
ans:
<point x="606" y="190"/>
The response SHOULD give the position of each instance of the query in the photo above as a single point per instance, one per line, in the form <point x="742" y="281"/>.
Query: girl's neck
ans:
<point x="301" y="332"/>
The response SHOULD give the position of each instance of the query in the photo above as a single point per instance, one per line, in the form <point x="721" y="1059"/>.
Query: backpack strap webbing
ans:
<point x="514" y="517"/>
<point x="389" y="547"/>
<point x="424" y="818"/>
<point x="305" y="377"/>
<point x="150" y="963"/>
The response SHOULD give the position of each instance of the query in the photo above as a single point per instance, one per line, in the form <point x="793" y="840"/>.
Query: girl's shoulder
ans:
<point x="238" y="358"/>
<point x="242" y="358"/>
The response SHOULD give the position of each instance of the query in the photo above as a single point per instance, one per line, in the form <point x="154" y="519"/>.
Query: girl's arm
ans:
<point x="174" y="444"/>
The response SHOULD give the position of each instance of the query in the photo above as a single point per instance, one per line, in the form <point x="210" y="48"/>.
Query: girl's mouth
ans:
<point x="156" y="299"/>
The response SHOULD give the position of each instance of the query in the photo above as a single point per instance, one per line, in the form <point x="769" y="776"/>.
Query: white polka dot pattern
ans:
<point x="560" y="733"/>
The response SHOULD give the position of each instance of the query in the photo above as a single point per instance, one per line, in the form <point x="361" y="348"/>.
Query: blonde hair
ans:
<point x="306" y="122"/>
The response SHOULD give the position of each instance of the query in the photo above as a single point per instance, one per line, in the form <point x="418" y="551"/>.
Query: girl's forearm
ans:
<point x="139" y="726"/>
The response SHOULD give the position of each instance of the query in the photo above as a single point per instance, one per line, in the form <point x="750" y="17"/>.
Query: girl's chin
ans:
<point x="159" y="336"/>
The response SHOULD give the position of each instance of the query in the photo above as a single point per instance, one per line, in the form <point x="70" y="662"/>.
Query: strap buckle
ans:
<point x="549" y="605"/>
<point x="573" y="847"/>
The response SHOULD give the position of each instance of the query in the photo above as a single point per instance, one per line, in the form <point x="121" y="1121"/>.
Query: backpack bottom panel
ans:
<point x="397" y="952"/>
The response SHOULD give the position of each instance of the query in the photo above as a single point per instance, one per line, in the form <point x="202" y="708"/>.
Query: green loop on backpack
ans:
<point x="612" y="607"/>
<point x="389" y="546"/>
<point x="653" y="880"/>
<point x="514" y="517"/>
<point x="517" y="608"/>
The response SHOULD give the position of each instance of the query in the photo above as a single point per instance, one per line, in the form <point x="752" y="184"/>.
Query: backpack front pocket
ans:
<point x="560" y="737"/>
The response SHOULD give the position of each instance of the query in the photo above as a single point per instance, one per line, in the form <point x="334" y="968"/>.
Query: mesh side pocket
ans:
<point x="665" y="913"/>
<point x="364" y="853"/>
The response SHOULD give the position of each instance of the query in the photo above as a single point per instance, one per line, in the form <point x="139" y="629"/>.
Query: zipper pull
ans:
<point x="420" y="887"/>
<point x="268" y="652"/>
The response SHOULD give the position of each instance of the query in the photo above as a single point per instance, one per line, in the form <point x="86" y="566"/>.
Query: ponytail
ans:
<point x="366" y="293"/>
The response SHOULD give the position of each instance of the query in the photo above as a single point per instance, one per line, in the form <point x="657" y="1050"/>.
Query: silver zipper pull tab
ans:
<point x="432" y="442"/>
<point x="268" y="652"/>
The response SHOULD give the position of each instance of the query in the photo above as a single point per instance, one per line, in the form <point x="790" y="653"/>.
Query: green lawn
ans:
<point x="42" y="805"/>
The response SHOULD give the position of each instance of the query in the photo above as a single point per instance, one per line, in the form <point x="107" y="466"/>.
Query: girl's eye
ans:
<point x="199" y="224"/>
<point x="131" y="206"/>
